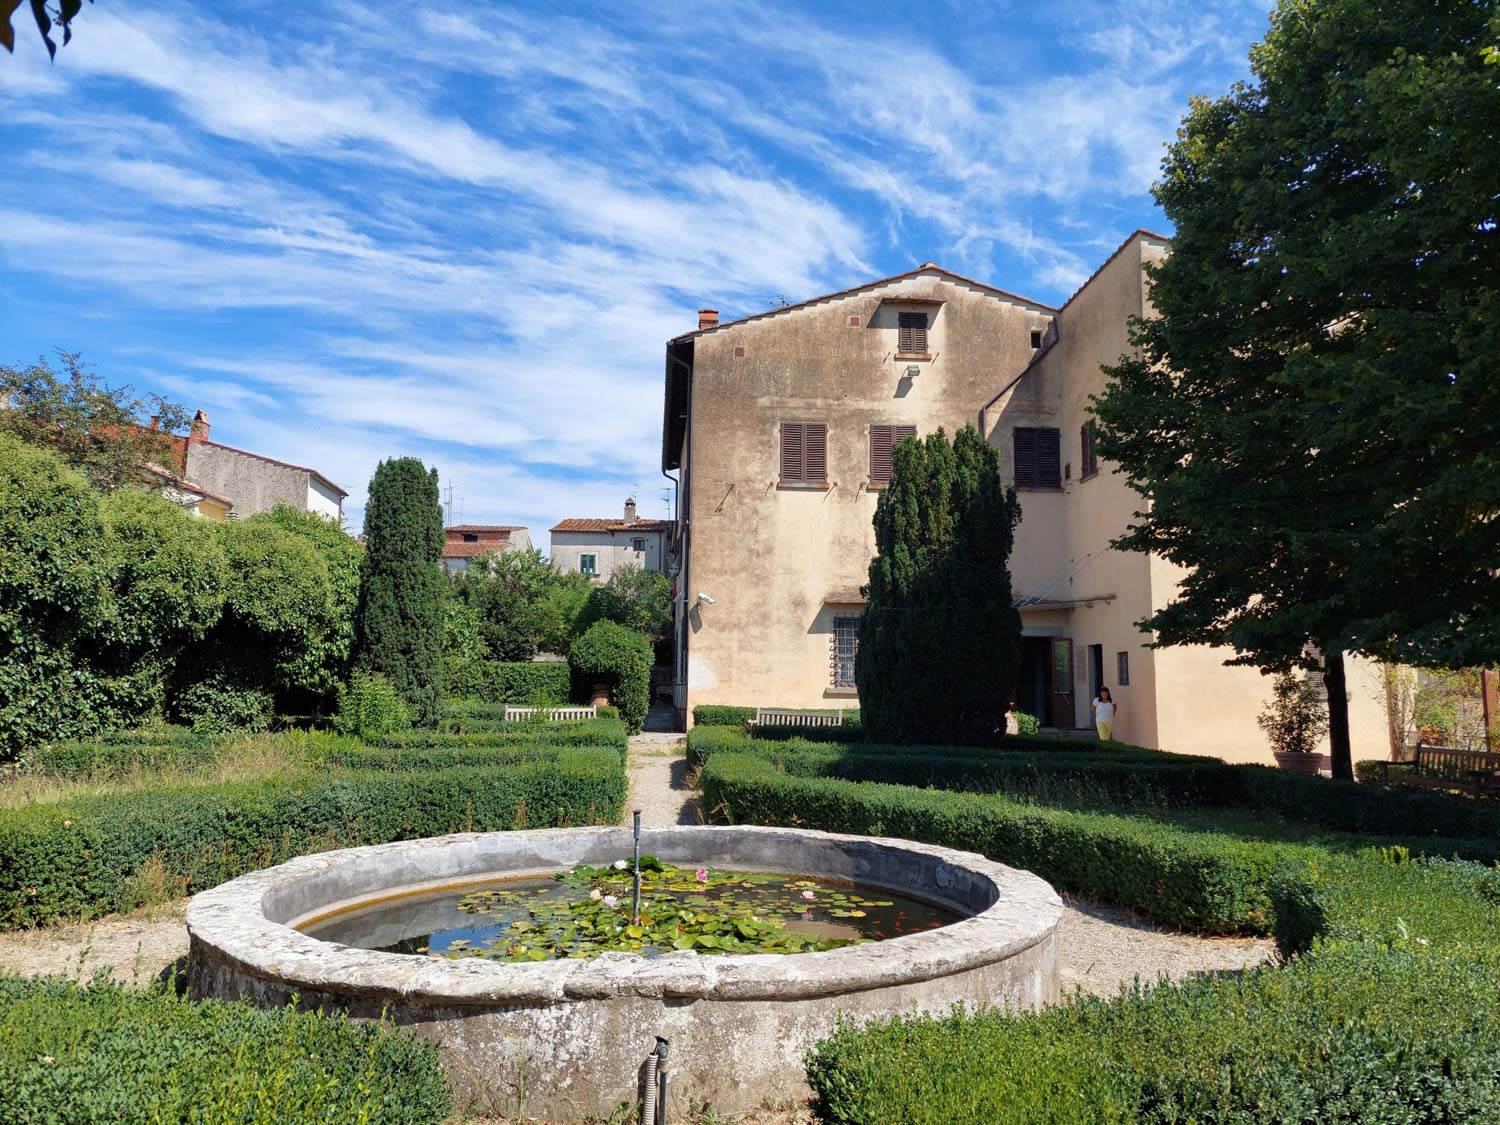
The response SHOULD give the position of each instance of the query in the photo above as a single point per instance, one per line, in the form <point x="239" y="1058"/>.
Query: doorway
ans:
<point x="1046" y="683"/>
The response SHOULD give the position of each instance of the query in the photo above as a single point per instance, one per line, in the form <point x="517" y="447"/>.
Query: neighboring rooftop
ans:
<point x="611" y="525"/>
<point x="473" y="527"/>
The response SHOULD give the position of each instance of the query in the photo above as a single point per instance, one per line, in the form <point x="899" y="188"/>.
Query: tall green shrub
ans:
<point x="612" y="654"/>
<point x="940" y="642"/>
<point x="399" y="630"/>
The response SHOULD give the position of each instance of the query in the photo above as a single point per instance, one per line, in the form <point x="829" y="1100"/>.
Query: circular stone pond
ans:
<point x="491" y="943"/>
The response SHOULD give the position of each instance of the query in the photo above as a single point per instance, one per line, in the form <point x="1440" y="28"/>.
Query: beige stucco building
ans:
<point x="780" y="426"/>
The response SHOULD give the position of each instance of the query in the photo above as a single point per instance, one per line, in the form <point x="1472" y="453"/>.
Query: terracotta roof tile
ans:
<point x="485" y="527"/>
<point x="454" y="549"/>
<point x="603" y="526"/>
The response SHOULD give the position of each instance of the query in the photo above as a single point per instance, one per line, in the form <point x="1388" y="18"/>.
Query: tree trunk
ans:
<point x="1338" y="715"/>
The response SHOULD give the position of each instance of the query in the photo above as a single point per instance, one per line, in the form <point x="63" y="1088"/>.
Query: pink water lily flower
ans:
<point x="808" y="896"/>
<point x="702" y="875"/>
<point x="610" y="900"/>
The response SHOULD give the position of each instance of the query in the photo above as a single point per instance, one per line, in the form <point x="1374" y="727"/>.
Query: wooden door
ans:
<point x="1060" y="683"/>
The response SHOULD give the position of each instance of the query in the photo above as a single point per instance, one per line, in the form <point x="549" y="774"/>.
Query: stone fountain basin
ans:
<point x="568" y="1038"/>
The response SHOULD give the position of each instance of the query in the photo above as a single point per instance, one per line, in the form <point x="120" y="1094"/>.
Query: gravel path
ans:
<point x="658" y="781"/>
<point x="136" y="947"/>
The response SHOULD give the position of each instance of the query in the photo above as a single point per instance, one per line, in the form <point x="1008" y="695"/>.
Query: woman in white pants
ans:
<point x="1104" y="709"/>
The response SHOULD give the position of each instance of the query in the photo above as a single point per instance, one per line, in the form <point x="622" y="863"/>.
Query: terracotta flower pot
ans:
<point x="600" y="695"/>
<point x="1302" y="763"/>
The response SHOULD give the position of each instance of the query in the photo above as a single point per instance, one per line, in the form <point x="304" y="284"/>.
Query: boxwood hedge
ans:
<point x="88" y="855"/>
<point x="603" y="731"/>
<point x="177" y="748"/>
<point x="1387" y="1013"/>
<point x="103" y="1054"/>
<point x="499" y="681"/>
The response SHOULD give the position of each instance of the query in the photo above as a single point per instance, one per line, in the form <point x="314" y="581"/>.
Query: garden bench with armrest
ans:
<point x="1447" y="767"/>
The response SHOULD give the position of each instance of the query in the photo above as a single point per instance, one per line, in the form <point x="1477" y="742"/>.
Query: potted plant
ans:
<point x="1294" y="720"/>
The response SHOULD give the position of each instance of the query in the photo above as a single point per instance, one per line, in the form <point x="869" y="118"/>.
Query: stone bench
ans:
<point x="553" y="714"/>
<point x="767" y="716"/>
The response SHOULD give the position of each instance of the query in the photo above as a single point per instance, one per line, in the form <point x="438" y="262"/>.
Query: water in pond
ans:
<point x="587" y="911"/>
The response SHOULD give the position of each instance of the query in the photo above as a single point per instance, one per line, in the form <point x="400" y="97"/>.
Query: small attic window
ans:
<point x="1036" y="338"/>
<point x="470" y="537"/>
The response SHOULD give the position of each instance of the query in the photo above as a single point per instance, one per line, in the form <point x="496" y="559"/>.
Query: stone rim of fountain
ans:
<point x="248" y="922"/>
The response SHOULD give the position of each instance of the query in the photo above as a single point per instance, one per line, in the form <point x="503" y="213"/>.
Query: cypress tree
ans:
<point x="399" y="623"/>
<point x="940" y="642"/>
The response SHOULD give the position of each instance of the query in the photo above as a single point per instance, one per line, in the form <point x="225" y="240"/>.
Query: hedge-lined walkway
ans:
<point x="657" y="769"/>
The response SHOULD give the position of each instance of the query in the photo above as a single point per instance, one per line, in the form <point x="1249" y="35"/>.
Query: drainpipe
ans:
<point x="654" y="1103"/>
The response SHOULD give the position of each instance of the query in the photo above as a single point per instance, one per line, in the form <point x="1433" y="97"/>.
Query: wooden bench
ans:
<point x="770" y="717"/>
<point x="1447" y="767"/>
<point x="553" y="714"/>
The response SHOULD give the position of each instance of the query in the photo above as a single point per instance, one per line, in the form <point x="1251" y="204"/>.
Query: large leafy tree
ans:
<point x="399" y="623"/>
<point x="506" y="591"/>
<point x="940" y="640"/>
<point x="1314" y="410"/>
<point x="107" y="433"/>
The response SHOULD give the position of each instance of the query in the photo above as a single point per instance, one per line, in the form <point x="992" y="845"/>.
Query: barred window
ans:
<point x="845" y="645"/>
<point x="1122" y="668"/>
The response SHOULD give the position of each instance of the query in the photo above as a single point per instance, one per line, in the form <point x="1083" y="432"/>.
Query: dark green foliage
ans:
<point x="940" y="641"/>
<point x="223" y="698"/>
<point x="105" y="1054"/>
<point x="497" y="681"/>
<point x="1333" y="277"/>
<point x="82" y="857"/>
<point x="369" y="707"/>
<point x="1361" y="1035"/>
<point x="102" y="432"/>
<point x="399" y="621"/>
<point x="639" y="599"/>
<point x="423" y="756"/>
<point x="319" y="662"/>
<point x="619" y="657"/>
<point x="505" y="593"/>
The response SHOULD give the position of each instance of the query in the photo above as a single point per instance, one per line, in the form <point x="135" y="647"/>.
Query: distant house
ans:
<point x="195" y="498"/>
<point x="466" y="541"/>
<point x="599" y="547"/>
<point x="251" y="482"/>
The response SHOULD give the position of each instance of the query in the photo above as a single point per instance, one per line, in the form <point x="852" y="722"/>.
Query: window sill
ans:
<point x="802" y="486"/>
<point x="1040" y="488"/>
<point x="841" y="693"/>
<point x="925" y="357"/>
<point x="877" y="485"/>
<point x="1088" y="476"/>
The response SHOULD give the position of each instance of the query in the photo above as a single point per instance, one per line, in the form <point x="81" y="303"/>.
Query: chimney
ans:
<point x="199" y="429"/>
<point x="630" y="510"/>
<point x="708" y="318"/>
<point x="155" y="421"/>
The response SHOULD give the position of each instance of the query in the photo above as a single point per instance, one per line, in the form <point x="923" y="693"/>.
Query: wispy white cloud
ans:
<point x="466" y="233"/>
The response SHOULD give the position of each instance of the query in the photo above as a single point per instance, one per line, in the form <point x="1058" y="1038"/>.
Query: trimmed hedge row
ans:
<point x="1129" y="777"/>
<point x="104" y="1054"/>
<point x="1195" y="881"/>
<point x="500" y="681"/>
<point x="720" y="715"/>
<point x="103" y="759"/>
<point x="604" y="731"/>
<point x="1360" y="1034"/>
<point x="93" y="855"/>
<point x="404" y="758"/>
<point x="1389" y="1013"/>
<point x="1191" y="879"/>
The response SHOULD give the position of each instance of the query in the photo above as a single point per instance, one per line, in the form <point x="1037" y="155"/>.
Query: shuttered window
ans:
<point x="913" y="333"/>
<point x="883" y="440"/>
<point x="1038" y="457"/>
<point x="804" y="453"/>
<point x="1089" y="461"/>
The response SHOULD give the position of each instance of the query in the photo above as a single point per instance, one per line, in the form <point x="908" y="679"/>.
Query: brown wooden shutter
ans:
<point x="880" y="453"/>
<point x="1049" y="458"/>
<point x="1025" y="442"/>
<point x="791" y="451"/>
<point x="815" y="452"/>
<point x="912" y="333"/>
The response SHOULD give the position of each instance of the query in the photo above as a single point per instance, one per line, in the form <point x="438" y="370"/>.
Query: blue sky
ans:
<point x="463" y="232"/>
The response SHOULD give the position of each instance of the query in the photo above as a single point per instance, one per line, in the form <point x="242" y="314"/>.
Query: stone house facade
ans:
<point x="780" y="427"/>
<point x="599" y="547"/>
<point x="252" y="482"/>
<point x="465" y="542"/>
